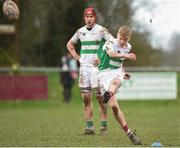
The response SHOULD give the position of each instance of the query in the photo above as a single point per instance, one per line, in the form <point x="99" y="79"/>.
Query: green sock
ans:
<point x="104" y="123"/>
<point x="89" y="123"/>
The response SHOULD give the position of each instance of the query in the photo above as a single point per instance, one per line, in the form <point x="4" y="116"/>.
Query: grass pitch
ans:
<point x="53" y="123"/>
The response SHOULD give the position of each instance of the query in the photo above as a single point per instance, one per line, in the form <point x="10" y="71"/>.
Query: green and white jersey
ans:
<point x="106" y="62"/>
<point x="90" y="42"/>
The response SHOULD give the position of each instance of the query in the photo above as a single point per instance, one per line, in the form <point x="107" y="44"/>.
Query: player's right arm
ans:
<point x="112" y="54"/>
<point x="110" y="51"/>
<point x="71" y="48"/>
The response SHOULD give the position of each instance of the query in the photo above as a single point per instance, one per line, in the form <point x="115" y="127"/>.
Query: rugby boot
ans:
<point x="89" y="131"/>
<point x="103" y="130"/>
<point x="134" y="139"/>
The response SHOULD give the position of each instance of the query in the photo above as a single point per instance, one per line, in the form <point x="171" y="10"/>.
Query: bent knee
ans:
<point x="98" y="95"/>
<point x="116" y="82"/>
<point x="86" y="98"/>
<point x="97" y="92"/>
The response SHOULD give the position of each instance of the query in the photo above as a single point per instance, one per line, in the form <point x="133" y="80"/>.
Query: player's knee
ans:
<point x="98" y="95"/>
<point x="97" y="92"/>
<point x="86" y="102"/>
<point x="116" y="82"/>
<point x="99" y="99"/>
<point x="86" y="99"/>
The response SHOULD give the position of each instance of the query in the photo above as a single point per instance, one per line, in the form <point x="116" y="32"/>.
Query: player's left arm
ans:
<point x="72" y="50"/>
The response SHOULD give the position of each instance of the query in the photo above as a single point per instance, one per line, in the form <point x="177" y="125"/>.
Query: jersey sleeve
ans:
<point x="129" y="48"/>
<point x="108" y="45"/>
<point x="126" y="51"/>
<point x="106" y="34"/>
<point x="75" y="37"/>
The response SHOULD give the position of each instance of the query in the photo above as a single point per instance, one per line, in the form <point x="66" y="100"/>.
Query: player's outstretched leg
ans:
<point x="119" y="116"/>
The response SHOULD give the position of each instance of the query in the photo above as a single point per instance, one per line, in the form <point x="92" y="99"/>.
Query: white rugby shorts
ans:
<point x="106" y="76"/>
<point x="87" y="77"/>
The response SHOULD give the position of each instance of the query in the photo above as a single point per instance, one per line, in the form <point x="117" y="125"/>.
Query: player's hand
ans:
<point x="127" y="76"/>
<point x="131" y="56"/>
<point x="96" y="62"/>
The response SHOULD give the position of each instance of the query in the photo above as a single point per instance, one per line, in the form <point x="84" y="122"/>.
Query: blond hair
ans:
<point x="125" y="32"/>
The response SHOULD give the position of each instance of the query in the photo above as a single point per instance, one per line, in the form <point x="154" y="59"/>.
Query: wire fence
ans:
<point x="58" y="69"/>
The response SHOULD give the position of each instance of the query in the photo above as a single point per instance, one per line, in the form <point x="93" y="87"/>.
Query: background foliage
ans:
<point x="45" y="26"/>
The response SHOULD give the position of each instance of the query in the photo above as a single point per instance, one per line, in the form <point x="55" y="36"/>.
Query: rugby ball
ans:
<point x="11" y="10"/>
